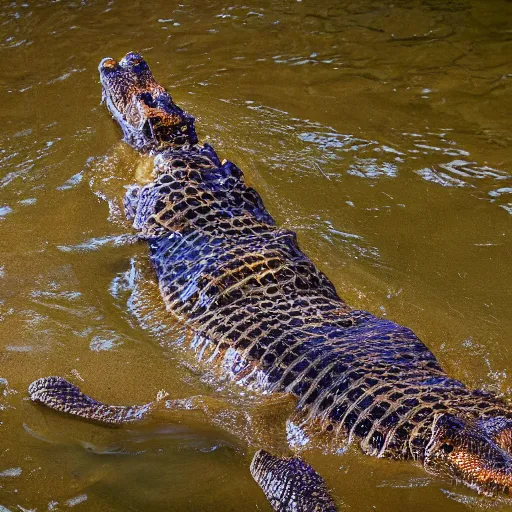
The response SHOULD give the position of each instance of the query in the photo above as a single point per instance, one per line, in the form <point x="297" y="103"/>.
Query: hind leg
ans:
<point x="290" y="484"/>
<point x="61" y="395"/>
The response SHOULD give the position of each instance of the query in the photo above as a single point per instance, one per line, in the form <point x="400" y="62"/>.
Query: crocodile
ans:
<point x="267" y="318"/>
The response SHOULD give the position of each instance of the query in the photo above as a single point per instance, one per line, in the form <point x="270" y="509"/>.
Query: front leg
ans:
<point x="130" y="201"/>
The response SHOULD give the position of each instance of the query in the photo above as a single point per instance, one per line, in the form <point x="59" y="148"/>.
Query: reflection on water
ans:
<point x="379" y="131"/>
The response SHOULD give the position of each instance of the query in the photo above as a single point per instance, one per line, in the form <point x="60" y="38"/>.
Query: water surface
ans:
<point x="379" y="131"/>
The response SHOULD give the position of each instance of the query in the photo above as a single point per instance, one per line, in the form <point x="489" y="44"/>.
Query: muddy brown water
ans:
<point x="379" y="131"/>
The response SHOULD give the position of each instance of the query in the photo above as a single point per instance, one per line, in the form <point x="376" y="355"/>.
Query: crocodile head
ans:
<point x="145" y="111"/>
<point x="474" y="451"/>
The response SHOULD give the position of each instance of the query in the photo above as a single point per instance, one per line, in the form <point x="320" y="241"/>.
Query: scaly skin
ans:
<point x="263" y="312"/>
<point x="57" y="393"/>
<point x="290" y="484"/>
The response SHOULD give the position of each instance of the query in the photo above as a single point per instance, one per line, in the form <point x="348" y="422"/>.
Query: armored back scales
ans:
<point x="261" y="309"/>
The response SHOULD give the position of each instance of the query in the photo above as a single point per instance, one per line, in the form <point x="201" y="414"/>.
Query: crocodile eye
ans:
<point x="446" y="448"/>
<point x="139" y="66"/>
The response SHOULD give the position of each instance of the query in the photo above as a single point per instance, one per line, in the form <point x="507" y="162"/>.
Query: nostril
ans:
<point x="108" y="63"/>
<point x="446" y="448"/>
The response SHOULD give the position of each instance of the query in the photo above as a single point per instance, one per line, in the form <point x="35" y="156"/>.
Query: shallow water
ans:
<point x="380" y="132"/>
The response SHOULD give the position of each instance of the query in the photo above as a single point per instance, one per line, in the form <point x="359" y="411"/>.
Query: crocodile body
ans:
<point x="262" y="312"/>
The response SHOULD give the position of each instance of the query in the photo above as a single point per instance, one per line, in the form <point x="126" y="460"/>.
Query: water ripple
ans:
<point x="304" y="146"/>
